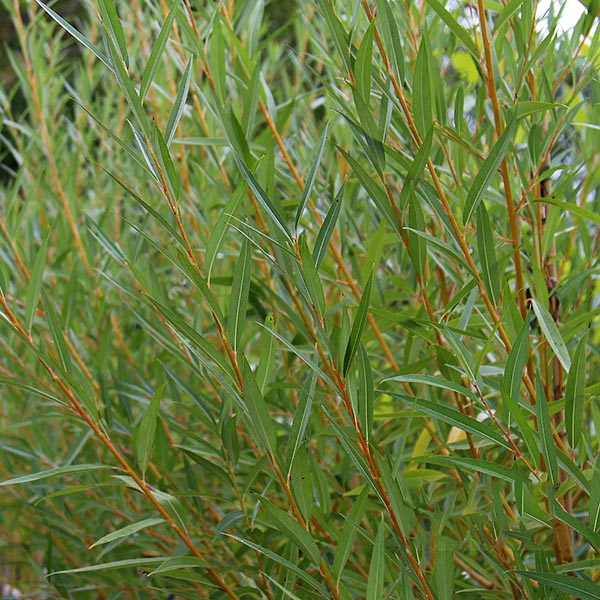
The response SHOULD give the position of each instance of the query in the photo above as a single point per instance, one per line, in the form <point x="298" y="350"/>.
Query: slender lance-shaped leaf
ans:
<point x="34" y="288"/>
<point x="293" y="530"/>
<point x="286" y="564"/>
<point x="488" y="168"/>
<point x="366" y="396"/>
<point x="301" y="417"/>
<point x="56" y="330"/>
<point x="594" y="511"/>
<point x="312" y="177"/>
<point x="176" y="563"/>
<point x="434" y="381"/>
<point x="478" y="466"/>
<point x="240" y="289"/>
<point x="552" y="334"/>
<point x="575" y="394"/>
<point x="420" y="161"/>
<point x="220" y="229"/>
<point x="157" y="52"/>
<point x="112" y="22"/>
<point x="311" y="278"/>
<point x="327" y="227"/>
<point x="358" y="325"/>
<point x="422" y="89"/>
<point x="351" y="526"/>
<point x="453" y="417"/>
<point x="263" y="198"/>
<point x="179" y="105"/>
<point x="376" y="567"/>
<point x="266" y="359"/>
<point x="444" y="567"/>
<point x="127" y="531"/>
<point x="70" y="470"/>
<point x="146" y="430"/>
<point x="362" y="64"/>
<point x="127" y="87"/>
<point x="487" y="254"/>
<point x="257" y="409"/>
<point x="574" y="587"/>
<point x="460" y="32"/>
<point x="513" y="372"/>
<point x="545" y="430"/>
<point x="117" y="564"/>
<point x="77" y="35"/>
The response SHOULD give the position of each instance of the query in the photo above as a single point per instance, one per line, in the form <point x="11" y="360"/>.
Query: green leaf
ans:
<point x="416" y="243"/>
<point x="114" y="27"/>
<point x="220" y="229"/>
<point x="373" y="189"/>
<point x="311" y="278"/>
<point x="157" y="52"/>
<point x="551" y="333"/>
<point x="545" y="429"/>
<point x="263" y="198"/>
<point x="444" y="567"/>
<point x="179" y="104"/>
<point x="301" y="418"/>
<point x="288" y="526"/>
<point x="349" y="531"/>
<point x="453" y="417"/>
<point x="594" y="510"/>
<point x="487" y="254"/>
<point x="460" y="32"/>
<point x="56" y="330"/>
<point x="77" y="35"/>
<point x="301" y="483"/>
<point x="420" y="161"/>
<point x="358" y="326"/>
<point x="180" y="562"/>
<point x="266" y="359"/>
<point x="489" y="168"/>
<point x="240" y="289"/>
<point x="575" y="394"/>
<point x="366" y="396"/>
<point x="422" y="89"/>
<point x="339" y="35"/>
<point x="118" y="564"/>
<point x="34" y="286"/>
<point x="257" y="410"/>
<point x="127" y="88"/>
<point x="312" y="177"/>
<point x="478" y="466"/>
<point x="146" y="430"/>
<point x="515" y="363"/>
<point x="580" y="211"/>
<point x="127" y="531"/>
<point x="327" y="227"/>
<point x="30" y="477"/>
<point x="434" y="381"/>
<point x="286" y="564"/>
<point x="216" y="59"/>
<point x="377" y="564"/>
<point x="362" y="64"/>
<point x="575" y="587"/>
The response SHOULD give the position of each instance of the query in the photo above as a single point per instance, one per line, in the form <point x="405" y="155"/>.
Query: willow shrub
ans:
<point x="299" y="301"/>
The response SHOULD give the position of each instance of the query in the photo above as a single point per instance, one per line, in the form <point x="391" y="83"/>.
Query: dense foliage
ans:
<point x="300" y="300"/>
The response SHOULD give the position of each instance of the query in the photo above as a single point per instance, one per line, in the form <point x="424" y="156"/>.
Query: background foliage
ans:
<point x="300" y="300"/>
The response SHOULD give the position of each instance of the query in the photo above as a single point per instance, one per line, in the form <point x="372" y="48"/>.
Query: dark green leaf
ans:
<point x="376" y="567"/>
<point x="358" y="326"/>
<point x="34" y="287"/>
<point x="327" y="227"/>
<point x="156" y="54"/>
<point x="240" y="289"/>
<point x="575" y="395"/>
<point x="489" y="168"/>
